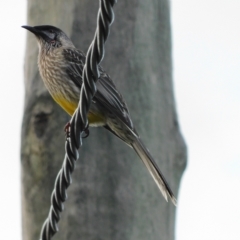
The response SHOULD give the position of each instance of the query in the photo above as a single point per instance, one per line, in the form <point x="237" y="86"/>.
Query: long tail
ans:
<point x="152" y="167"/>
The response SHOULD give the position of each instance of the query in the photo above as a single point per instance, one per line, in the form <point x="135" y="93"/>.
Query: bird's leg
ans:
<point x="67" y="129"/>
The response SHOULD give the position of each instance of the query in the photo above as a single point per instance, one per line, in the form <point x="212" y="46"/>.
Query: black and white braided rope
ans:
<point x="79" y="121"/>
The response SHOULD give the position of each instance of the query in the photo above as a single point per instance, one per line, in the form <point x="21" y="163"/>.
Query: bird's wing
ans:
<point x="76" y="60"/>
<point x="107" y="95"/>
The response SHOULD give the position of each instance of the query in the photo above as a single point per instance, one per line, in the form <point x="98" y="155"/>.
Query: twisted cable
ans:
<point x="79" y="121"/>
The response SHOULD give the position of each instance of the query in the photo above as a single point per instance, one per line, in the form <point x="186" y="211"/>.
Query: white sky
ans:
<point x="206" y="44"/>
<point x="206" y="54"/>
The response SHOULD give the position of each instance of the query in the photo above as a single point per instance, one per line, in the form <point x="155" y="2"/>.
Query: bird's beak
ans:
<point x="36" y="32"/>
<point x="31" y="29"/>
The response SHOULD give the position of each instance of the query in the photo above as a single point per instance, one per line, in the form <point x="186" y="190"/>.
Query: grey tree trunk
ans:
<point x="112" y="195"/>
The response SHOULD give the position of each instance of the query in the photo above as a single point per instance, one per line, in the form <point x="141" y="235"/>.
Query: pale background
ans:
<point x="206" y="58"/>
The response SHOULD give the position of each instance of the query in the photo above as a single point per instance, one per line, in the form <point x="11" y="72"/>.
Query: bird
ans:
<point x="61" y="65"/>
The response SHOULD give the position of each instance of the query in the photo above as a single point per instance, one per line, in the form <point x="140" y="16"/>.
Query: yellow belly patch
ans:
<point x="94" y="119"/>
<point x="69" y="107"/>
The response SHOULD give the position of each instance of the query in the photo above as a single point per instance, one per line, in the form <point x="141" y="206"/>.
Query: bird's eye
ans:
<point x="51" y="31"/>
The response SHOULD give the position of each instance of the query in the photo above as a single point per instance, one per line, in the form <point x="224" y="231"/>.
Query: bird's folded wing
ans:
<point x="107" y="95"/>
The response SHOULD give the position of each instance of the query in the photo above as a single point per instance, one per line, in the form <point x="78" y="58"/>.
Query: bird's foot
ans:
<point x="67" y="129"/>
<point x="86" y="131"/>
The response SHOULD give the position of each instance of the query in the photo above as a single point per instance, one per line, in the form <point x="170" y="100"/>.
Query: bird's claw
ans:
<point x="67" y="130"/>
<point x="86" y="131"/>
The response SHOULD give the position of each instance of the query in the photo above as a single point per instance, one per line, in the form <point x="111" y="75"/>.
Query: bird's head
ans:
<point x="50" y="37"/>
